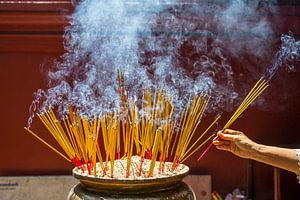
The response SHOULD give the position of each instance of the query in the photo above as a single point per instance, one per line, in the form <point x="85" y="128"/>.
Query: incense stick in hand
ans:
<point x="207" y="149"/>
<point x="257" y="89"/>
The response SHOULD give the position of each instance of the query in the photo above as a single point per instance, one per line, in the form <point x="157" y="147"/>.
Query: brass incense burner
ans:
<point x="155" y="188"/>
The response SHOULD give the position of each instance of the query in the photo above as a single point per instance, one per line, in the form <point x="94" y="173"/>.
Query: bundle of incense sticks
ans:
<point x="149" y="130"/>
<point x="257" y="89"/>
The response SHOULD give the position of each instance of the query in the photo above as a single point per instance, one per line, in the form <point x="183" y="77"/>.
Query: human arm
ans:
<point x="239" y="144"/>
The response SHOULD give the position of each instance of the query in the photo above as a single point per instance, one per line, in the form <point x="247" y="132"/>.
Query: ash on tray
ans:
<point x="120" y="170"/>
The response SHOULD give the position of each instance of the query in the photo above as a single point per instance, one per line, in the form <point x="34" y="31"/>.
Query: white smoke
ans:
<point x="182" y="47"/>
<point x="286" y="55"/>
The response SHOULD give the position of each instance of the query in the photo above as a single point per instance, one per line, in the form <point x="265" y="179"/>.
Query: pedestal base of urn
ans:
<point x="181" y="191"/>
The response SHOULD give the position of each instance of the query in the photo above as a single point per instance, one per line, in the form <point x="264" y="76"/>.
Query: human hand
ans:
<point x="235" y="142"/>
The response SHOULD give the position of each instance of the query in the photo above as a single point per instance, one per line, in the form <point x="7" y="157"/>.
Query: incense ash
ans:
<point x="120" y="170"/>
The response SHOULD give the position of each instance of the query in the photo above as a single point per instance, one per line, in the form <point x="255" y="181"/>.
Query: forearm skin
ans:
<point x="279" y="157"/>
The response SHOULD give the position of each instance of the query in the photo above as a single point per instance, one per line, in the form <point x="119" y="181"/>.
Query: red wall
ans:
<point x="31" y="35"/>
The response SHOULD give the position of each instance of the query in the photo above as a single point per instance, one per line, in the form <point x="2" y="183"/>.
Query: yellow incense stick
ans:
<point x="155" y="151"/>
<point x="43" y="141"/>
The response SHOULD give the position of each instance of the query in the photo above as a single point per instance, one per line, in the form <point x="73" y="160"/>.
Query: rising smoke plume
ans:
<point x="182" y="47"/>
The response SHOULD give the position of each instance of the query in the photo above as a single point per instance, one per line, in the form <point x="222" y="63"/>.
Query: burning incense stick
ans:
<point x="257" y="89"/>
<point x="43" y="141"/>
<point x="146" y="130"/>
<point x="157" y="142"/>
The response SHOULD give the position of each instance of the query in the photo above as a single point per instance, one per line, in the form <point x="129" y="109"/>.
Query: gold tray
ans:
<point x="127" y="185"/>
